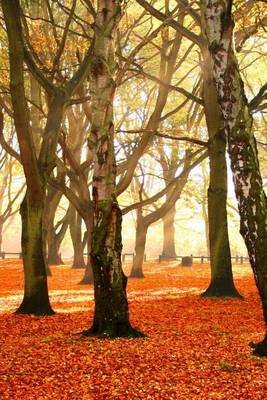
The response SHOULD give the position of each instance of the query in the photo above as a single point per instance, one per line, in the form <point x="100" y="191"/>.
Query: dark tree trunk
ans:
<point x="36" y="300"/>
<point x="111" y="316"/>
<point x="140" y="244"/>
<point x="169" y="234"/>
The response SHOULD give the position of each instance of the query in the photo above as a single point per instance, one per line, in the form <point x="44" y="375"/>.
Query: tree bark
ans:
<point x="88" y="278"/>
<point x="35" y="300"/>
<point x="76" y="237"/>
<point x="241" y="144"/>
<point x="222" y="283"/>
<point x="169" y="234"/>
<point x="36" y="170"/>
<point x="111" y="315"/>
<point x="140" y="244"/>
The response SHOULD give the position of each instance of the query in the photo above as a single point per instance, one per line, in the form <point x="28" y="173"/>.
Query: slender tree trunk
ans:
<point x="222" y="284"/>
<point x="206" y="221"/>
<point x="55" y="240"/>
<point x="140" y="244"/>
<point x="88" y="278"/>
<point x="76" y="237"/>
<point x="169" y="234"/>
<point x="54" y="256"/>
<point x="1" y="235"/>
<point x="241" y="144"/>
<point x="111" y="315"/>
<point x="54" y="243"/>
<point x="35" y="299"/>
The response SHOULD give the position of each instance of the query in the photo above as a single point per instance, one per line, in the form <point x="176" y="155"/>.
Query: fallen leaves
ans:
<point x="195" y="348"/>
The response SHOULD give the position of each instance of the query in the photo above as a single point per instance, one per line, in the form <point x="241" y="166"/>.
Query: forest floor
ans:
<point x="194" y="348"/>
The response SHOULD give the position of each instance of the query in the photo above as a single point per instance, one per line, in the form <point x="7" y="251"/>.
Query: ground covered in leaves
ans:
<point x="195" y="348"/>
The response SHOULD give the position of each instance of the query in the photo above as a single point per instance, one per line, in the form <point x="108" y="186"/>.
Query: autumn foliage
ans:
<point x="194" y="348"/>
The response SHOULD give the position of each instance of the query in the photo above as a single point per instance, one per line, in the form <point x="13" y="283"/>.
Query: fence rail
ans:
<point x="130" y="256"/>
<point x="5" y="254"/>
<point x="237" y="259"/>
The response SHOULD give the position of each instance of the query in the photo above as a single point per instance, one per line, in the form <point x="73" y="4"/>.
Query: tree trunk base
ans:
<point x="88" y="278"/>
<point x="55" y="261"/>
<point x="78" y="266"/>
<point x="137" y="274"/>
<point x="216" y="290"/>
<point x="259" y="349"/>
<point x="48" y="271"/>
<point x="29" y="306"/>
<point x="113" y="331"/>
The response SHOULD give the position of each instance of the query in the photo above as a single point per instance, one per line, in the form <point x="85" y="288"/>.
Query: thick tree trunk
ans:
<point x="36" y="300"/>
<point x="111" y="316"/>
<point x="241" y="145"/>
<point x="222" y="284"/>
<point x="140" y="244"/>
<point x="169" y="234"/>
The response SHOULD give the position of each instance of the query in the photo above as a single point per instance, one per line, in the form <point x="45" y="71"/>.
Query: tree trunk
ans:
<point x="54" y="257"/>
<point x="111" y="316"/>
<point x="169" y="234"/>
<point x="140" y="244"/>
<point x="241" y="145"/>
<point x="36" y="300"/>
<point x="76" y="237"/>
<point x="222" y="284"/>
<point x="88" y="278"/>
<point x="207" y="229"/>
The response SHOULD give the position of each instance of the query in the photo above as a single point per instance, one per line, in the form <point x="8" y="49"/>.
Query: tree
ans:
<point x="242" y="146"/>
<point x="37" y="166"/>
<point x="111" y="315"/>
<point x="220" y="257"/>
